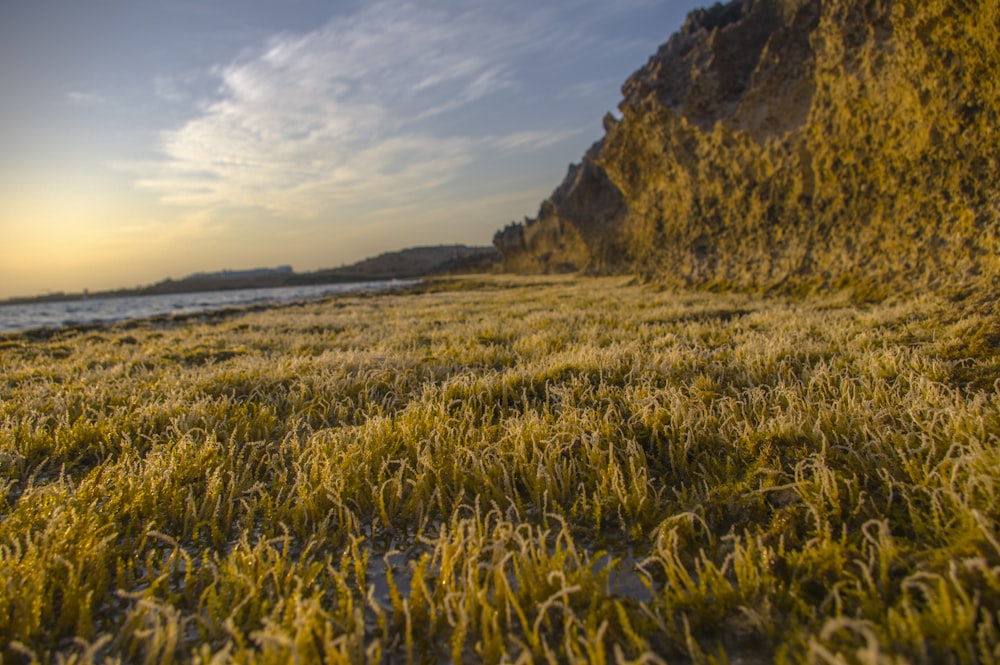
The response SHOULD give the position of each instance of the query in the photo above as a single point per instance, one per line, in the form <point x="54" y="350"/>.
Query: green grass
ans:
<point x="506" y="470"/>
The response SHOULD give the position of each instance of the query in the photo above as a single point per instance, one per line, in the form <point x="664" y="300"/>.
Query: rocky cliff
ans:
<point x="794" y="145"/>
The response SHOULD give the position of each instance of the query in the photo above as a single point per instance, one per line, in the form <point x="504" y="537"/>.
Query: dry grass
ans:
<point x="505" y="470"/>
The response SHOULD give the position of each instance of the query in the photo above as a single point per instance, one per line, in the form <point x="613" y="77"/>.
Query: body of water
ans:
<point x="14" y="318"/>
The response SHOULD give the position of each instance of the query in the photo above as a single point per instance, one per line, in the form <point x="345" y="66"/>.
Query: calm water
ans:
<point x="103" y="310"/>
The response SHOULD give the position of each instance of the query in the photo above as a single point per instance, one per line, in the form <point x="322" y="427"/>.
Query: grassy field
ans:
<point x="506" y="469"/>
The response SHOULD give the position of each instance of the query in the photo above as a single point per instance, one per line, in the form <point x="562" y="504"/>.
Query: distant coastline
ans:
<point x="403" y="264"/>
<point x="102" y="311"/>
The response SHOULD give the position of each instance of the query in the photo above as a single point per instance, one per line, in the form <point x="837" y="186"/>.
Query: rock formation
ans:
<point x="794" y="145"/>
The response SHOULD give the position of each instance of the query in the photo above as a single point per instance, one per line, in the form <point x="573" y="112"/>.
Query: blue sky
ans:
<point x="145" y="139"/>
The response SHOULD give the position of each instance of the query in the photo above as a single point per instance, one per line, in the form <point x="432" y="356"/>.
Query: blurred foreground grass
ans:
<point x="504" y="469"/>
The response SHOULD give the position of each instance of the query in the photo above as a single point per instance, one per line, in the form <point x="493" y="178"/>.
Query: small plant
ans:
<point x="554" y="469"/>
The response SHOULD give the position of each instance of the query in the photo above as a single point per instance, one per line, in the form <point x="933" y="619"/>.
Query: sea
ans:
<point x="21" y="317"/>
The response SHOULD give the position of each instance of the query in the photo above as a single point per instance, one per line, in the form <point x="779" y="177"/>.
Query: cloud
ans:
<point x="588" y="88"/>
<point x="85" y="98"/>
<point x="533" y="140"/>
<point x="179" y="87"/>
<point x="354" y="112"/>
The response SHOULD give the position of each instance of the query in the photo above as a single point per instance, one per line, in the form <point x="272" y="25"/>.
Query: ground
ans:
<point x="505" y="468"/>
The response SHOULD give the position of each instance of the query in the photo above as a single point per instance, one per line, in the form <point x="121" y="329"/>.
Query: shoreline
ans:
<point x="181" y="306"/>
<point x="190" y="287"/>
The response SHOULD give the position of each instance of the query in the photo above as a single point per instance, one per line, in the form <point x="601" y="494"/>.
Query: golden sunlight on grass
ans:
<point x="501" y="470"/>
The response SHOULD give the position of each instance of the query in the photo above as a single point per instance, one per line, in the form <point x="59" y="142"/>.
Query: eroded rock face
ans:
<point x="745" y="63"/>
<point x="794" y="145"/>
<point x="579" y="225"/>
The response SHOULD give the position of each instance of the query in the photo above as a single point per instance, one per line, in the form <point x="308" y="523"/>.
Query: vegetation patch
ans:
<point x="555" y="469"/>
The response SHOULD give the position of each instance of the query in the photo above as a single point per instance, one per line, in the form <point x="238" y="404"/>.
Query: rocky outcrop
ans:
<point x="580" y="224"/>
<point x="794" y="145"/>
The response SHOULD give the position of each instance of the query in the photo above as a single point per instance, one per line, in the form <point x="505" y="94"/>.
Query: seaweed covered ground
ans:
<point x="506" y="469"/>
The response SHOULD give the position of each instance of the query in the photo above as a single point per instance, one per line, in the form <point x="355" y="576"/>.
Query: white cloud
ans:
<point x="532" y="140"/>
<point x="353" y="112"/>
<point x="588" y="88"/>
<point x="85" y="98"/>
<point x="181" y="87"/>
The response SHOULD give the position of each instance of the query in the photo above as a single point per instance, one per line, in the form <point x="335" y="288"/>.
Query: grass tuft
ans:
<point x="504" y="470"/>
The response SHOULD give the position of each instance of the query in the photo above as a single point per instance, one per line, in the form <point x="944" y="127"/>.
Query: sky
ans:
<point x="146" y="139"/>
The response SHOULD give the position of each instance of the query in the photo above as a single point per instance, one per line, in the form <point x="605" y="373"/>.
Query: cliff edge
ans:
<point x="794" y="146"/>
